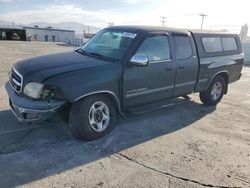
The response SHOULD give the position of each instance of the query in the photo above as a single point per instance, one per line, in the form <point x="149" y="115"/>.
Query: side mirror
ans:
<point x="139" y="60"/>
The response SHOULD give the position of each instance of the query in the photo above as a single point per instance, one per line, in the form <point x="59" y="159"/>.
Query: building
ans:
<point x="243" y="33"/>
<point x="49" y="34"/>
<point x="11" y="32"/>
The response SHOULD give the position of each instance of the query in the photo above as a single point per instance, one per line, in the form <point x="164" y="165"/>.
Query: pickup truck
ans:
<point x="121" y="68"/>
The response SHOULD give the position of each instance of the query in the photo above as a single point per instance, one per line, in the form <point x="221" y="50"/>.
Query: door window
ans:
<point x="183" y="47"/>
<point x="156" y="48"/>
<point x="229" y="44"/>
<point x="212" y="44"/>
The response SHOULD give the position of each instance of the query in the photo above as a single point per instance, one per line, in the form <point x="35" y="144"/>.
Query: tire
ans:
<point x="87" y="116"/>
<point x="63" y="113"/>
<point x="212" y="96"/>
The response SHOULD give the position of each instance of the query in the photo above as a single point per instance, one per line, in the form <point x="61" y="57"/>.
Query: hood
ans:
<point x="43" y="67"/>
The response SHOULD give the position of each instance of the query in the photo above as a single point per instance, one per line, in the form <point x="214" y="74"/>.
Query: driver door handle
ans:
<point x="168" y="69"/>
<point x="181" y="67"/>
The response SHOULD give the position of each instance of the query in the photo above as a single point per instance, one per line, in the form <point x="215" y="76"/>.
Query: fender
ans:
<point x="220" y="72"/>
<point x="110" y="93"/>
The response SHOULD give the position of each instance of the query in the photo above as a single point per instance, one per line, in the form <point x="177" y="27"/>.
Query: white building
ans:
<point x="243" y="33"/>
<point x="49" y="34"/>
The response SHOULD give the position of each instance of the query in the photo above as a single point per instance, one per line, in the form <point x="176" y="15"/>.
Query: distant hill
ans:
<point x="5" y="23"/>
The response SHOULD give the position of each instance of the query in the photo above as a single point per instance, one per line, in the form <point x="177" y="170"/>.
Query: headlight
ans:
<point x="33" y="90"/>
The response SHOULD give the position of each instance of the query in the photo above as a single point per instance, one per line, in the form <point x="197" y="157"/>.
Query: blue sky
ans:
<point x="180" y="13"/>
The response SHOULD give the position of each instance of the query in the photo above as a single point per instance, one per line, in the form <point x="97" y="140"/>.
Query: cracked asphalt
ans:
<point x="189" y="145"/>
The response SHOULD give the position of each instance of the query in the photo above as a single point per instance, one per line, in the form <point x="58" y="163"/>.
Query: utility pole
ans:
<point x="83" y="27"/>
<point x="110" y="24"/>
<point x="202" y="19"/>
<point x="163" y="20"/>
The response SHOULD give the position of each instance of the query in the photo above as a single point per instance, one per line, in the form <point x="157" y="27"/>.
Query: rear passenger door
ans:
<point x="186" y="64"/>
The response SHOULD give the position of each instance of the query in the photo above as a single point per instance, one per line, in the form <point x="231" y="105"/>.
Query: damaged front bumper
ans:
<point x="27" y="110"/>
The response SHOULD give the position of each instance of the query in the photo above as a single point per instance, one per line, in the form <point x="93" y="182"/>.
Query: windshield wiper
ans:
<point x="96" y="54"/>
<point x="100" y="56"/>
<point x="81" y="51"/>
<point x="93" y="54"/>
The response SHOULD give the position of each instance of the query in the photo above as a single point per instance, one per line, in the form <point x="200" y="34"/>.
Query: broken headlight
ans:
<point x="51" y="92"/>
<point x="41" y="91"/>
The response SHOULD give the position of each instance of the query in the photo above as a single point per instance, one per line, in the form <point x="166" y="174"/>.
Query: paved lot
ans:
<point x="190" y="145"/>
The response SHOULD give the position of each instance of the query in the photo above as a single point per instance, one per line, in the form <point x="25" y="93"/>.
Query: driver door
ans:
<point x="154" y="81"/>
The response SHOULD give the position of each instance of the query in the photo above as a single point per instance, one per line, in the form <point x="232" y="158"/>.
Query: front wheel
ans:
<point x="215" y="91"/>
<point x="92" y="117"/>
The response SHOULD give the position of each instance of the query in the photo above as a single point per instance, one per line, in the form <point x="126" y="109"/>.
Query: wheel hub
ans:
<point x="99" y="116"/>
<point x="216" y="91"/>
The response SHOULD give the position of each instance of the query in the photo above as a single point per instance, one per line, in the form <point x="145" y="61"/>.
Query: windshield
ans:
<point x="109" y="44"/>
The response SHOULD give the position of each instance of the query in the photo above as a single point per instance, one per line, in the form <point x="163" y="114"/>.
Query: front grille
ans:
<point x="16" y="80"/>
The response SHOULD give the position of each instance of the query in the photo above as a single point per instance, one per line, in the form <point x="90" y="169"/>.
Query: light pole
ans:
<point x="83" y="27"/>
<point x="110" y="24"/>
<point x="202" y="19"/>
<point x="163" y="20"/>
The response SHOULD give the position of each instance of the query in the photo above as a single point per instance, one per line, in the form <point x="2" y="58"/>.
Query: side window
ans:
<point x="183" y="47"/>
<point x="212" y="44"/>
<point x="156" y="48"/>
<point x="229" y="44"/>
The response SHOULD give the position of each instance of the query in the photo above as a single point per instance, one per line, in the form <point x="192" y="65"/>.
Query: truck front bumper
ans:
<point x="28" y="110"/>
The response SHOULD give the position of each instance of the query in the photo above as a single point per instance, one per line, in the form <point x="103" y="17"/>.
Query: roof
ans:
<point x="211" y="32"/>
<point x="17" y="27"/>
<point x="48" y="29"/>
<point x="136" y="28"/>
<point x="142" y="29"/>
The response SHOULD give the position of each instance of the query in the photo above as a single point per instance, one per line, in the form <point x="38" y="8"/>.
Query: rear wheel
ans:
<point x="92" y="117"/>
<point x="215" y="91"/>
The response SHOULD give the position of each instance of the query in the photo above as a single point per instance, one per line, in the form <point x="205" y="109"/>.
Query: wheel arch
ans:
<point x="65" y="110"/>
<point x="225" y="75"/>
<point x="107" y="93"/>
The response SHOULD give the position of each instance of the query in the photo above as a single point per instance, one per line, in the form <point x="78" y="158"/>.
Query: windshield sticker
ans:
<point x="129" y="35"/>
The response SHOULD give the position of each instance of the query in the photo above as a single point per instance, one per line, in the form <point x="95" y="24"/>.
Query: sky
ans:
<point x="221" y="14"/>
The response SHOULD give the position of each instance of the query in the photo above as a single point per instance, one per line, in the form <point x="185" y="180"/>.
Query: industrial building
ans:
<point x="12" y="33"/>
<point x="47" y="34"/>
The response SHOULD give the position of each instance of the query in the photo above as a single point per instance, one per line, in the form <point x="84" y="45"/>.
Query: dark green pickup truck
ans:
<point x="123" y="68"/>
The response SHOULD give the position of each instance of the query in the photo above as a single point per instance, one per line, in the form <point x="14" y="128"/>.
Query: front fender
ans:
<point x="78" y="84"/>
